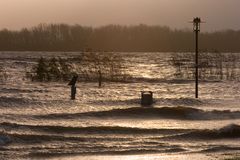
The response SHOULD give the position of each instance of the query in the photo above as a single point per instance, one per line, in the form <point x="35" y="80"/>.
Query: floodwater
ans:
<point x="39" y="121"/>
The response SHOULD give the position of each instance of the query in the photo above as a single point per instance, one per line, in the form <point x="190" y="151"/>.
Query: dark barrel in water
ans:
<point x="146" y="98"/>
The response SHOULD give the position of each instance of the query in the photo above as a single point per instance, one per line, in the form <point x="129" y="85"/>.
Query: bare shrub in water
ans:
<point x="212" y="66"/>
<point x="90" y="67"/>
<point x="3" y="74"/>
<point x="111" y="66"/>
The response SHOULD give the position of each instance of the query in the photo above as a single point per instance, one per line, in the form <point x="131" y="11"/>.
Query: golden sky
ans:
<point x="219" y="14"/>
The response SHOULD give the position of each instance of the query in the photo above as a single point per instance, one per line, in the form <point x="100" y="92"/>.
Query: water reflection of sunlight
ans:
<point x="145" y="157"/>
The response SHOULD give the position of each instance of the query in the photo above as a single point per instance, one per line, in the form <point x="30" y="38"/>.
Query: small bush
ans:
<point x="54" y="69"/>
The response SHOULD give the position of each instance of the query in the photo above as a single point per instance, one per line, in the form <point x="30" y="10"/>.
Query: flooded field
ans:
<point x="39" y="121"/>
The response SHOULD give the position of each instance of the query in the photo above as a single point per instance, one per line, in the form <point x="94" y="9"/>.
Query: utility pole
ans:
<point x="196" y="29"/>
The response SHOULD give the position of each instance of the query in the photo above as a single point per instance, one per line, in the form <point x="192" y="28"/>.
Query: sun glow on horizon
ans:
<point x="17" y="14"/>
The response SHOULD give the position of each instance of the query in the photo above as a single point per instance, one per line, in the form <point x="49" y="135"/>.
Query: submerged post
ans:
<point x="196" y="28"/>
<point x="72" y="83"/>
<point x="99" y="78"/>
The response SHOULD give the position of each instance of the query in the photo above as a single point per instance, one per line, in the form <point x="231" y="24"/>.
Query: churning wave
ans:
<point x="183" y="113"/>
<point x="4" y="139"/>
<point x="25" y="102"/>
<point x="228" y="132"/>
<point x="47" y="132"/>
<point x="87" y="130"/>
<point x="108" y="140"/>
<point x="11" y="101"/>
<point x="157" y="101"/>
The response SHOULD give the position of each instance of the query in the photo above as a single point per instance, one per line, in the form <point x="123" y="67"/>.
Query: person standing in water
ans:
<point x="72" y="83"/>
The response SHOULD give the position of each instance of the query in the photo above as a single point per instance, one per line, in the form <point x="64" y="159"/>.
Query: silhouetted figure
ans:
<point x="99" y="78"/>
<point x="72" y="83"/>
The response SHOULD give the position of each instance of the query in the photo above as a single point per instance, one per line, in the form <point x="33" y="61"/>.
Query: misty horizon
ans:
<point x="189" y="29"/>
<point x="175" y="14"/>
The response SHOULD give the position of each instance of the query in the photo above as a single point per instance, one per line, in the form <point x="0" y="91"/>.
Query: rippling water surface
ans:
<point x="39" y="121"/>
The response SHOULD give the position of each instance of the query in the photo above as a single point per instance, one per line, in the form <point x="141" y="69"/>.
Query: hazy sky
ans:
<point x="219" y="14"/>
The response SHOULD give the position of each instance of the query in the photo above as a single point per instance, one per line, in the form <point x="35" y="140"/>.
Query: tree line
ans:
<point x="141" y="38"/>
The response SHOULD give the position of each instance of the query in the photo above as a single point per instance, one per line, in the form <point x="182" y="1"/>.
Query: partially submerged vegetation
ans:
<point x="3" y="74"/>
<point x="212" y="66"/>
<point x="53" y="69"/>
<point x="110" y="66"/>
<point x="90" y="67"/>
